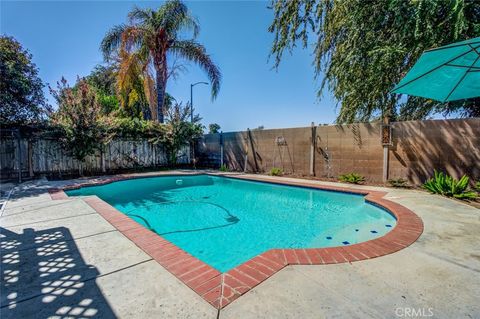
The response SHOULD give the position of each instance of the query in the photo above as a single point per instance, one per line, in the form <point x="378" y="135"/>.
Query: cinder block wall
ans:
<point x="447" y="145"/>
<point x="418" y="148"/>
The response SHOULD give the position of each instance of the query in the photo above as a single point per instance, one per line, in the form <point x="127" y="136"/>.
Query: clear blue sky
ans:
<point x="64" y="39"/>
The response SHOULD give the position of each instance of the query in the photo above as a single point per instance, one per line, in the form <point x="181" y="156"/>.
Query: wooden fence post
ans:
<point x="30" y="158"/>
<point x="102" y="155"/>
<point x="19" y="153"/>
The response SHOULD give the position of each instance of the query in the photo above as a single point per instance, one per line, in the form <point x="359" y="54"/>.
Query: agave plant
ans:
<point x="446" y="185"/>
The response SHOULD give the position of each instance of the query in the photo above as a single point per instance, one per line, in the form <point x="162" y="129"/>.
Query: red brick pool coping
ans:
<point x="220" y="289"/>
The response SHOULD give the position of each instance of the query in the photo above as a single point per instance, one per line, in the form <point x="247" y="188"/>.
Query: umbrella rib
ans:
<point x="438" y="67"/>
<point x="463" y="66"/>
<point x="475" y="41"/>
<point x="475" y="49"/>
<point x="461" y="79"/>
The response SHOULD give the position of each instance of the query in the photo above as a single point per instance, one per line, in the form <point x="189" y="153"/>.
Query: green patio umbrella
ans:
<point x="447" y="73"/>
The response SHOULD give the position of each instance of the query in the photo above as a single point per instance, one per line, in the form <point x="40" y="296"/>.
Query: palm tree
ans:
<point x="135" y="87"/>
<point x="154" y="37"/>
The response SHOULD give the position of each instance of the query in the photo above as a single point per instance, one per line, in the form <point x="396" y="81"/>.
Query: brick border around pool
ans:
<point x="220" y="289"/>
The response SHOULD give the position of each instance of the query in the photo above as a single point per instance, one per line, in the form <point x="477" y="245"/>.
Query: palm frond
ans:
<point x="175" y="69"/>
<point x="195" y="52"/>
<point x="174" y="17"/>
<point x="133" y="37"/>
<point x="151" y="94"/>
<point x="139" y="16"/>
<point x="112" y="41"/>
<point x="130" y="78"/>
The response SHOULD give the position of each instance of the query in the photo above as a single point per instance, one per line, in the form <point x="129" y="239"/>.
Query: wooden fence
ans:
<point x="36" y="157"/>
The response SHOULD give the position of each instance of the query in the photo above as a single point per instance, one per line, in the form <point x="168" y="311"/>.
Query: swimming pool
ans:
<point x="224" y="221"/>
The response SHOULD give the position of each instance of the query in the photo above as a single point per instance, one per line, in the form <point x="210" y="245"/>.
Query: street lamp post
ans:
<point x="191" y="118"/>
<point x="191" y="98"/>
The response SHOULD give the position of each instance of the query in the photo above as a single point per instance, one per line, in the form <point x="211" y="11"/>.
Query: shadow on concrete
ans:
<point x="44" y="275"/>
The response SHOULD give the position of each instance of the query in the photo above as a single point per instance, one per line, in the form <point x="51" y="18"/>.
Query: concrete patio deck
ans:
<point x="62" y="259"/>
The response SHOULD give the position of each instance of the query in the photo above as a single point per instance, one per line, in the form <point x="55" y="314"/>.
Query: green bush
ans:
<point x="352" y="178"/>
<point x="223" y="168"/>
<point x="133" y="127"/>
<point x="275" y="171"/>
<point x="398" y="182"/>
<point x="477" y="186"/>
<point x="446" y="185"/>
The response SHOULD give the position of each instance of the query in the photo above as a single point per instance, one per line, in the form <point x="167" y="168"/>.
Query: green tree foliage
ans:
<point x="362" y="49"/>
<point x="179" y="131"/>
<point x="78" y="118"/>
<point x="213" y="128"/>
<point x="154" y="37"/>
<point x="21" y="96"/>
<point x="103" y="79"/>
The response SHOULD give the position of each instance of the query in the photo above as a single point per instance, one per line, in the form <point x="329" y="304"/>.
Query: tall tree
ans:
<point x="103" y="79"/>
<point x="363" y="49"/>
<point x="213" y="128"/>
<point x="154" y="37"/>
<point x="21" y="96"/>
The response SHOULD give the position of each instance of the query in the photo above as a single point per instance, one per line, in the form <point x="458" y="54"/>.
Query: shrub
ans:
<point x="78" y="118"/>
<point x="275" y="171"/>
<point x="446" y="185"/>
<point x="352" y="178"/>
<point x="179" y="131"/>
<point x="133" y="128"/>
<point x="398" y="182"/>
<point x="223" y="168"/>
<point x="477" y="186"/>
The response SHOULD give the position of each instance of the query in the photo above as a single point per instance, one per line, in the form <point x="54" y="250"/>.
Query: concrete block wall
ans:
<point x="418" y="148"/>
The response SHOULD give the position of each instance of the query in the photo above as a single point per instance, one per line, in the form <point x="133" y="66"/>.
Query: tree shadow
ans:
<point x="449" y="146"/>
<point x="150" y="192"/>
<point x="44" y="275"/>
<point x="234" y="151"/>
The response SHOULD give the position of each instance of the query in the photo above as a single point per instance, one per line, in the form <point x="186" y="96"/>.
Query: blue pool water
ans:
<point x="225" y="222"/>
